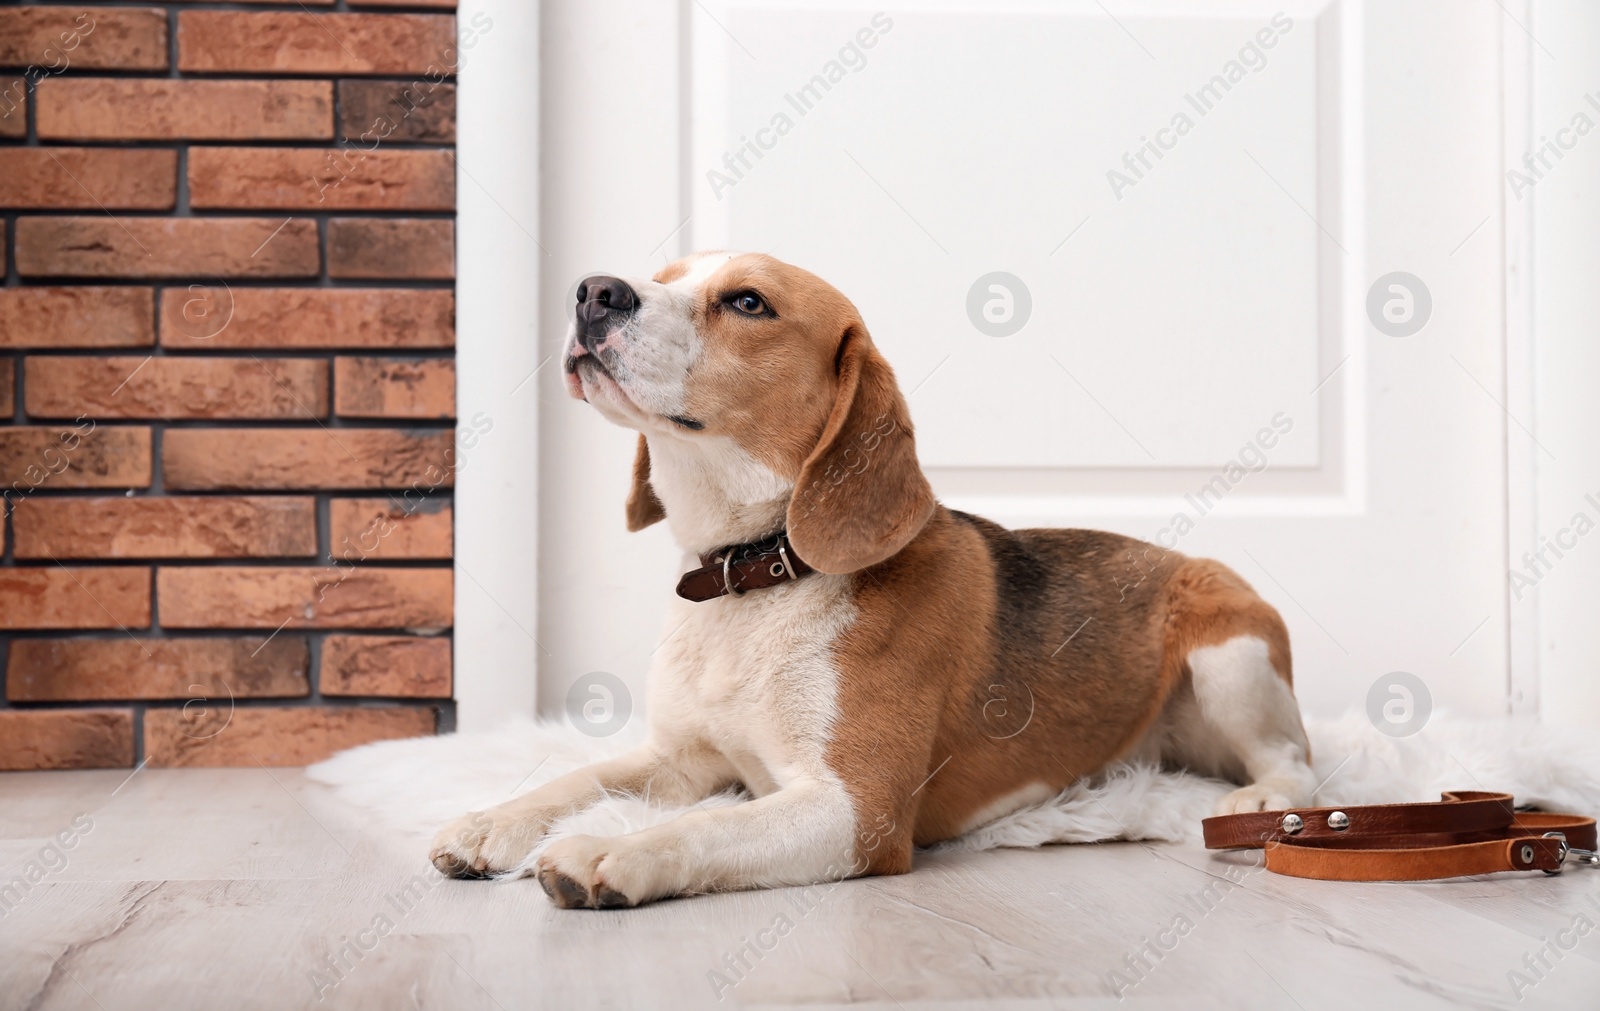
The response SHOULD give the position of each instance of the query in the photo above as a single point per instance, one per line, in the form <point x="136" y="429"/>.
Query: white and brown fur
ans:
<point x="857" y="705"/>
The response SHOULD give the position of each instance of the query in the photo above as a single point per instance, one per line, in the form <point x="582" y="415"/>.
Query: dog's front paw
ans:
<point x="581" y="872"/>
<point x="485" y="843"/>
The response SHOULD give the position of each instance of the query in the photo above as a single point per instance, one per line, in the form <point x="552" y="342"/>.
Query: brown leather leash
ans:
<point x="1467" y="832"/>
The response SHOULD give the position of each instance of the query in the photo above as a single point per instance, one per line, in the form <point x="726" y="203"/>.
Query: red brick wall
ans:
<point x="227" y="385"/>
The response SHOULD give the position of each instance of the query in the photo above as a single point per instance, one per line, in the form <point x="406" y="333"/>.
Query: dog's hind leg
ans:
<point x="1248" y="710"/>
<point x="1232" y="712"/>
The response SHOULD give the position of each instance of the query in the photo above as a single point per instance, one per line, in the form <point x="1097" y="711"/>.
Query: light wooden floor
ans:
<point x="230" y="888"/>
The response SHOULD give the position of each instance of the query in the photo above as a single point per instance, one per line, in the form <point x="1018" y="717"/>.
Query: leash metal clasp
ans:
<point x="1589" y="857"/>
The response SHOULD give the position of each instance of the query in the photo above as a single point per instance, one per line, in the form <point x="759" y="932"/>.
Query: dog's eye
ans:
<point x="749" y="303"/>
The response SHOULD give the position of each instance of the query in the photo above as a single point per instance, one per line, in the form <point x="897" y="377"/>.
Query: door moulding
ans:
<point x="497" y="313"/>
<point x="1521" y="325"/>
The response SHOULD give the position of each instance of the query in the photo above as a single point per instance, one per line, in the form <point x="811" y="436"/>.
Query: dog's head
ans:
<point x="723" y="348"/>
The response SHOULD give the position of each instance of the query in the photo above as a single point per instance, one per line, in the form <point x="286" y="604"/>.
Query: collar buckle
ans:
<point x="783" y="554"/>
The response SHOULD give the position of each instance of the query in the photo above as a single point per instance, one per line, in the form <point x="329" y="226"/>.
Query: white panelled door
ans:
<point x="1127" y="260"/>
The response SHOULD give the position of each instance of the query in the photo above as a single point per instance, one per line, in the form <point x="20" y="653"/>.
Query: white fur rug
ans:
<point x="414" y="786"/>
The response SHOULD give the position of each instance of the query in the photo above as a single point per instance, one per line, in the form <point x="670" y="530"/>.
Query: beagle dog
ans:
<point x="879" y="672"/>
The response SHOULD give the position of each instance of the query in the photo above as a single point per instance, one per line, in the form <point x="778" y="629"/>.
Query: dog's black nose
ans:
<point x="604" y="303"/>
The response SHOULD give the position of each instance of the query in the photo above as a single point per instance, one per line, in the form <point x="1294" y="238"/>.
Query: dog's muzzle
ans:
<point x="605" y="304"/>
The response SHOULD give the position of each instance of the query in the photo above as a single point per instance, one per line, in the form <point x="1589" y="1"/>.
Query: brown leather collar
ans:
<point x="743" y="567"/>
<point x="1467" y="832"/>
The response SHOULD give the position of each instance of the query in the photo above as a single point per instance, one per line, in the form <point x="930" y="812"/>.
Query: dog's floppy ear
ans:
<point x="861" y="496"/>
<point x="643" y="506"/>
